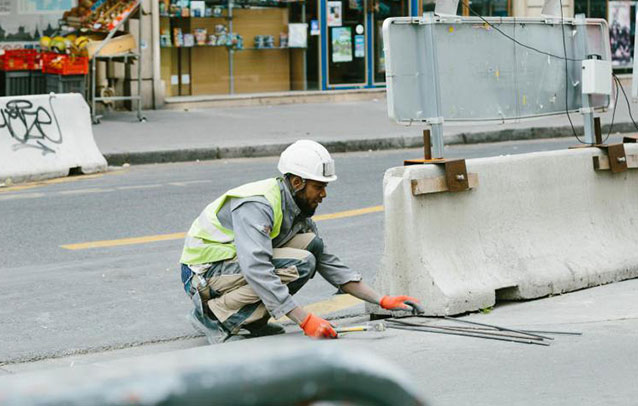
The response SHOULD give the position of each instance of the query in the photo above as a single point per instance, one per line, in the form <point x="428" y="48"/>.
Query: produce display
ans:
<point x="70" y="44"/>
<point x="66" y="55"/>
<point x="99" y="15"/>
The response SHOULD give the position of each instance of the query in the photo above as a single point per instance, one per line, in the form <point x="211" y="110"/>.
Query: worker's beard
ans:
<point x="304" y="206"/>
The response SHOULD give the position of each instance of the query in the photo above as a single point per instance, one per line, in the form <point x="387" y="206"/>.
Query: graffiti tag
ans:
<point x="32" y="127"/>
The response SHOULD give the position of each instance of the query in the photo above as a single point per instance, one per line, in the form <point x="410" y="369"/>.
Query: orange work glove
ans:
<point x="397" y="302"/>
<point x="317" y="327"/>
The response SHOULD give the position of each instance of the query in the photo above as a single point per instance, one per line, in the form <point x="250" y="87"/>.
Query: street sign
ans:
<point x="452" y="68"/>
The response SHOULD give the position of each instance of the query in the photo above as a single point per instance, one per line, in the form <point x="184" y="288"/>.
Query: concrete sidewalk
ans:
<point x="233" y="132"/>
<point x="597" y="367"/>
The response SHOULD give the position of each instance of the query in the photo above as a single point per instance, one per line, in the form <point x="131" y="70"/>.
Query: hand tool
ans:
<point x="367" y="327"/>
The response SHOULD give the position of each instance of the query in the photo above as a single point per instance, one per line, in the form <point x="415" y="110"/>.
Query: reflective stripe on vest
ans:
<point x="208" y="241"/>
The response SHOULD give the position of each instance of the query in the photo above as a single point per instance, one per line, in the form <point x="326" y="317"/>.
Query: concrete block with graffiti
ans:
<point x="46" y="136"/>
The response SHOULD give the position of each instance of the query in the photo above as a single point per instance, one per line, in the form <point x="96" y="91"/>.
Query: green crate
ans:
<point x="15" y="83"/>
<point x="65" y="83"/>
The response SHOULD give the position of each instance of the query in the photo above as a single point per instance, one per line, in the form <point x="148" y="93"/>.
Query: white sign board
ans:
<point x="462" y="69"/>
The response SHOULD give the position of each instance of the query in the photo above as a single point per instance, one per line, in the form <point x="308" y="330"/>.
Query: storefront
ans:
<point x="226" y="47"/>
<point x="261" y="46"/>
<point x="351" y="43"/>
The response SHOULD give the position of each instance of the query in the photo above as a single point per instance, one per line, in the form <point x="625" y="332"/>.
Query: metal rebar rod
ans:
<point x="475" y="330"/>
<point x="490" y="332"/>
<point x="522" y="332"/>
<point x="496" y="327"/>
<point x="431" y="330"/>
<point x="570" y="333"/>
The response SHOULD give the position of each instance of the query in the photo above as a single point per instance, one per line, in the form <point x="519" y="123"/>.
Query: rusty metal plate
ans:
<point x="456" y="175"/>
<point x="617" y="157"/>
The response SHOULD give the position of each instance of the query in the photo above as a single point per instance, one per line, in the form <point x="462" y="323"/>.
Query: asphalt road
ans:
<point x="56" y="301"/>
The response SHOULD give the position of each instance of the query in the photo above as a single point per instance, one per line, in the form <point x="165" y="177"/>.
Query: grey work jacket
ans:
<point x="251" y="220"/>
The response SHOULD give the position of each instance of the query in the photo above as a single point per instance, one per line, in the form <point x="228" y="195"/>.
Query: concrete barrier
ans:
<point x="46" y="136"/>
<point x="537" y="224"/>
<point x="264" y="372"/>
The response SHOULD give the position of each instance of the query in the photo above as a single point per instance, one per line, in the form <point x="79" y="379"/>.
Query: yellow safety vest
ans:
<point x="208" y="241"/>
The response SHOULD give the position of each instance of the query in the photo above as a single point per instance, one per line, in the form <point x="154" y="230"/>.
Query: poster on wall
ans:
<point x="44" y="6"/>
<point x="359" y="46"/>
<point x="314" y="27"/>
<point x="334" y="14"/>
<point x="355" y="5"/>
<point x="297" y="35"/>
<point x="341" y="44"/>
<point x="23" y="22"/>
<point x="619" y="19"/>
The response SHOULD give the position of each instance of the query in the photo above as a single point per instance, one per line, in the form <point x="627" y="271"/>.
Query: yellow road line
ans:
<point x="84" y="191"/>
<point x="124" y="241"/>
<point x="67" y="179"/>
<point x="334" y="304"/>
<point x="178" y="236"/>
<point x="21" y="196"/>
<point x="348" y="213"/>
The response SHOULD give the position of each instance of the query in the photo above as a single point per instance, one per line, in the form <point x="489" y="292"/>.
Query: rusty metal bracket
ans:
<point x="456" y="178"/>
<point x="616" y="159"/>
<point x="598" y="137"/>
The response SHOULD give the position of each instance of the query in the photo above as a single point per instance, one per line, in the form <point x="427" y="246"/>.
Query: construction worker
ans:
<point x="255" y="246"/>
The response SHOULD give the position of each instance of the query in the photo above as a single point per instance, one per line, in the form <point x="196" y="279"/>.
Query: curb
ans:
<point x="353" y="145"/>
<point x="271" y="99"/>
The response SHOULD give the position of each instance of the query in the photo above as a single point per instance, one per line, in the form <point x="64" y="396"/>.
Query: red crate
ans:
<point x="63" y="64"/>
<point x="20" y="59"/>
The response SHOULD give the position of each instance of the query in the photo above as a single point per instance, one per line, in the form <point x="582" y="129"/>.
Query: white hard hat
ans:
<point x="309" y="160"/>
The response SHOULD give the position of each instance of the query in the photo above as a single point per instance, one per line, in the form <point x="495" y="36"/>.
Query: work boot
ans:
<point x="213" y="330"/>
<point x="262" y="328"/>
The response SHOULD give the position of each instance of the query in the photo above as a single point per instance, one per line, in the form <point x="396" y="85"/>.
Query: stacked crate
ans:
<point x="16" y="68"/>
<point x="65" y="73"/>
<point x="27" y="71"/>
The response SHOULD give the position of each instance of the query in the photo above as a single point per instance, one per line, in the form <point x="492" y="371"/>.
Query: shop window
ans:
<point x="591" y="8"/>
<point x="492" y="8"/>
<point x="428" y="6"/>
<point x="347" y="30"/>
<point x="381" y="10"/>
<point x="241" y="46"/>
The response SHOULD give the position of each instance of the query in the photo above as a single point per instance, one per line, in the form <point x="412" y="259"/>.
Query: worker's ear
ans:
<point x="297" y="183"/>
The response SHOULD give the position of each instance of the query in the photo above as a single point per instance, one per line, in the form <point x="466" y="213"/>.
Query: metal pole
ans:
<point x="304" y="50"/>
<point x="139" y="62"/>
<point x="156" y="54"/>
<point x="231" y="76"/>
<point x="586" y="110"/>
<point x="435" y="119"/>
<point x="93" y="73"/>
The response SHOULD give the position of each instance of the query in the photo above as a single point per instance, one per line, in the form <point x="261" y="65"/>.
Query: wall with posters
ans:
<point x="619" y="19"/>
<point x="22" y="22"/>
